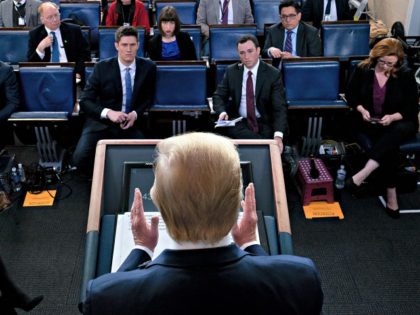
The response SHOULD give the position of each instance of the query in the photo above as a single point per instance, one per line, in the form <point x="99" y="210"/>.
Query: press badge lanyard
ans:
<point x="21" y="19"/>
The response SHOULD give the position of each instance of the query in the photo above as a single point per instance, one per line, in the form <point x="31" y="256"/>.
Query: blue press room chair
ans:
<point x="344" y="39"/>
<point x="223" y="40"/>
<point x="312" y="84"/>
<point x="181" y="91"/>
<point x="14" y="44"/>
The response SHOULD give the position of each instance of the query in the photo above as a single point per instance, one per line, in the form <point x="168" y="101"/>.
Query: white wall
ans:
<point x="390" y="11"/>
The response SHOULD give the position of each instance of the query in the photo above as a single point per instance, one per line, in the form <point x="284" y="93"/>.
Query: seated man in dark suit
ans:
<point x="252" y="89"/>
<point x="57" y="42"/>
<point x="9" y="98"/>
<point x="291" y="38"/>
<point x="116" y="95"/>
<point x="198" y="190"/>
<point x="316" y="11"/>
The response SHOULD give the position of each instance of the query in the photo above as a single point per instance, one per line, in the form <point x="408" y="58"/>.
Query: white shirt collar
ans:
<point x="254" y="69"/>
<point x="131" y="66"/>
<point x="200" y="245"/>
<point x="19" y="3"/>
<point x="49" y="30"/>
<point x="293" y="30"/>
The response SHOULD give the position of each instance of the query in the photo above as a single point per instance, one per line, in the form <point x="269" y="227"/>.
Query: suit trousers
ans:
<point x="384" y="146"/>
<point x="84" y="154"/>
<point x="242" y="131"/>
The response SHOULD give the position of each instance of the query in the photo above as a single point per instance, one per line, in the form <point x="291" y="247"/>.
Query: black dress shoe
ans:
<point x="28" y="304"/>
<point x="395" y="214"/>
<point x="354" y="189"/>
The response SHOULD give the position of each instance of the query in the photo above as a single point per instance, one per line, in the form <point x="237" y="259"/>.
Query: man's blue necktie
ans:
<point x="55" y="54"/>
<point x="288" y="45"/>
<point x="328" y="8"/>
<point x="128" y="90"/>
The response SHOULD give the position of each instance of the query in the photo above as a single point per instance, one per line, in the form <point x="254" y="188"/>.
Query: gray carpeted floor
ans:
<point x="369" y="263"/>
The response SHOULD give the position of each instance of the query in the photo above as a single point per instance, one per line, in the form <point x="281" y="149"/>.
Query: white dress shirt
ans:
<point x="333" y="12"/>
<point x="62" y="52"/>
<point x="122" y="77"/>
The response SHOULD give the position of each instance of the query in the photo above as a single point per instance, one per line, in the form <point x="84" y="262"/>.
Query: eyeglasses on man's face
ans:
<point x="52" y="17"/>
<point x="386" y="63"/>
<point x="289" y="17"/>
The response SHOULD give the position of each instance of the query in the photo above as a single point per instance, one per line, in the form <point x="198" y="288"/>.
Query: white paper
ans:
<point x="124" y="242"/>
<point x="227" y="123"/>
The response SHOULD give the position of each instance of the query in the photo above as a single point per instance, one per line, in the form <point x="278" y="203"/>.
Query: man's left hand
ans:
<point x="144" y="234"/>
<point x="279" y="141"/>
<point x="130" y="120"/>
<point x="246" y="230"/>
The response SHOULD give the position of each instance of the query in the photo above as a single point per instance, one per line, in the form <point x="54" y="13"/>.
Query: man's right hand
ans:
<point x="45" y="43"/>
<point x="223" y="116"/>
<point x="116" y="117"/>
<point x="144" y="234"/>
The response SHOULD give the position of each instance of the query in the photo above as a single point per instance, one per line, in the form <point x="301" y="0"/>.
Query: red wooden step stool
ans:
<point x="320" y="188"/>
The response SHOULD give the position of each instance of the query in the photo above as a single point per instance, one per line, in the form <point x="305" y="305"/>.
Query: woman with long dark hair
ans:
<point x="171" y="43"/>
<point x="383" y="94"/>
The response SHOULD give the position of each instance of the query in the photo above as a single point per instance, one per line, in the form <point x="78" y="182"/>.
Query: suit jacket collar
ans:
<point x="139" y="77"/>
<point x="199" y="258"/>
<point x="260" y="74"/>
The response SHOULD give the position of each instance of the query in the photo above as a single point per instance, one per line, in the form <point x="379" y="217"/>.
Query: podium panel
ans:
<point x="116" y="158"/>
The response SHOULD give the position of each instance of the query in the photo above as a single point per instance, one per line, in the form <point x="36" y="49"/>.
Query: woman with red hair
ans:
<point x="383" y="94"/>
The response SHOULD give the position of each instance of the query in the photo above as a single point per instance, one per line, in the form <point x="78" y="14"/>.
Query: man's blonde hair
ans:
<point x="44" y="5"/>
<point x="198" y="186"/>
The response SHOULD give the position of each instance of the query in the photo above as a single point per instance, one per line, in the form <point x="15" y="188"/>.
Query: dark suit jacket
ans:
<point x="269" y="95"/>
<point x="313" y="11"/>
<point x="104" y="90"/>
<point x="185" y="44"/>
<point x="401" y="94"/>
<point x="9" y="94"/>
<point x="224" y="280"/>
<point x="308" y="42"/>
<point x="75" y="45"/>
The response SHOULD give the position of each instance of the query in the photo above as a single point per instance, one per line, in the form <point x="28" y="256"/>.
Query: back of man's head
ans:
<point x="198" y="186"/>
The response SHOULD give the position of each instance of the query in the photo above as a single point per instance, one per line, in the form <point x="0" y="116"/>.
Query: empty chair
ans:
<point x="345" y="38"/>
<point x="87" y="13"/>
<point x="107" y="40"/>
<point x="312" y="84"/>
<point x="223" y="40"/>
<point x="181" y="88"/>
<point x="265" y="12"/>
<point x="186" y="10"/>
<point x="14" y="44"/>
<point x="48" y="97"/>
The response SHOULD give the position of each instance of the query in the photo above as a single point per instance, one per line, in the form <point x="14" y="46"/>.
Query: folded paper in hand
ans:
<point x="227" y="123"/>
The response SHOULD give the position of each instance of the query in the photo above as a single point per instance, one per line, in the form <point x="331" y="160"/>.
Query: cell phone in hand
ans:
<point x="375" y="120"/>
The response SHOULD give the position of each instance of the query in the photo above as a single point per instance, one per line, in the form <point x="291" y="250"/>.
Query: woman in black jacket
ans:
<point x="383" y="95"/>
<point x="171" y="43"/>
